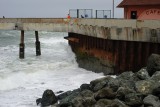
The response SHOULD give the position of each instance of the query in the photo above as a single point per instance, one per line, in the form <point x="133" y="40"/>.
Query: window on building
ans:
<point x="133" y="14"/>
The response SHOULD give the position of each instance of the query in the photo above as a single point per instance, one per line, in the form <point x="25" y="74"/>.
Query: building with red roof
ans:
<point x="141" y="9"/>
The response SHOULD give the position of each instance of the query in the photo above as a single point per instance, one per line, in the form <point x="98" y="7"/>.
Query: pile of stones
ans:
<point x="139" y="89"/>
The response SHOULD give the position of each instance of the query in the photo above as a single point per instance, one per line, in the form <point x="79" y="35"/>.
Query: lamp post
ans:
<point x="113" y="10"/>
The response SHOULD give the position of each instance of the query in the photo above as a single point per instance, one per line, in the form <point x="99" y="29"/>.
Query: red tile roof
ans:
<point x="138" y="2"/>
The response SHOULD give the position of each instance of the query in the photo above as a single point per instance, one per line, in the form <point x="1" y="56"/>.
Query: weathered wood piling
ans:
<point x="21" y="46"/>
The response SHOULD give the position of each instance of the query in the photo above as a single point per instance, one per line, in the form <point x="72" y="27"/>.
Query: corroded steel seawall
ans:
<point x="111" y="56"/>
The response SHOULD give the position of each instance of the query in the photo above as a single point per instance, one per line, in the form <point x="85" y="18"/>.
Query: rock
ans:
<point x="144" y="87"/>
<point x="85" y="87"/>
<point x="89" y="101"/>
<point x="105" y="93"/>
<point x="48" y="98"/>
<point x="38" y="101"/>
<point x="99" y="86"/>
<point x="114" y="84"/>
<point x="86" y="93"/>
<point x="143" y="74"/>
<point x="77" y="102"/>
<point x="153" y="64"/>
<point x="128" y="76"/>
<point x="118" y="103"/>
<point x="126" y="90"/>
<point x="126" y="79"/>
<point x="122" y="91"/>
<point x="59" y="92"/>
<point x="120" y="82"/>
<point x="64" y="105"/>
<point x="132" y="99"/>
<point x="127" y="83"/>
<point x="83" y="102"/>
<point x="156" y="76"/>
<point x="103" y="103"/>
<point x="152" y="101"/>
<point x="84" y="99"/>
<point x="103" y="80"/>
<point x="63" y="95"/>
<point x="156" y="92"/>
<point x="67" y="101"/>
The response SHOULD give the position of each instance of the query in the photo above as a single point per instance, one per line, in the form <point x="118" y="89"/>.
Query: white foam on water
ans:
<point x="23" y="81"/>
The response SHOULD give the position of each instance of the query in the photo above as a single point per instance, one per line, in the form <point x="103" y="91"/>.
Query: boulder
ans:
<point x="86" y="93"/>
<point x="77" y="102"/>
<point x="156" y="76"/>
<point x="59" y="92"/>
<point x="85" y="87"/>
<point x="142" y="74"/>
<point x="126" y="79"/>
<point x="107" y="93"/>
<point x="38" y="101"/>
<point x="153" y="64"/>
<point x="152" y="101"/>
<point x="132" y="99"/>
<point x="65" y="104"/>
<point x="127" y="83"/>
<point x="80" y="101"/>
<point x="48" y="98"/>
<point x="89" y="102"/>
<point x="67" y="101"/>
<point x="144" y="87"/>
<point x="103" y="103"/>
<point x="84" y="99"/>
<point x="156" y="92"/>
<point x="99" y="86"/>
<point x="101" y="83"/>
<point x="118" y="103"/>
<point x="120" y="82"/>
<point x="122" y="91"/>
<point x="128" y="76"/>
<point x="114" y="84"/>
<point x="64" y="95"/>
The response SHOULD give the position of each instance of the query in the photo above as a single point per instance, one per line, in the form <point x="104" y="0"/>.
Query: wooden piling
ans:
<point x="37" y="44"/>
<point x="21" y="45"/>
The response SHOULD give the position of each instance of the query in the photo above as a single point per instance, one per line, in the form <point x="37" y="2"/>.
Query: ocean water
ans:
<point x="22" y="81"/>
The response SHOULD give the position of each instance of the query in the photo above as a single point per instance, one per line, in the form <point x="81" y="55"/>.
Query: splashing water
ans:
<point x="22" y="81"/>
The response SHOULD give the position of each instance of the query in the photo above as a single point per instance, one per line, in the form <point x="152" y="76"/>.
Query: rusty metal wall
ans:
<point x="121" y="55"/>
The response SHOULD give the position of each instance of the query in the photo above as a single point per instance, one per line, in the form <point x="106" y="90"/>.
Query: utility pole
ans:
<point x="113" y="10"/>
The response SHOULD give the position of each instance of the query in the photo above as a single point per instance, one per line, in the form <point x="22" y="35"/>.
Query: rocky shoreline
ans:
<point x="139" y="89"/>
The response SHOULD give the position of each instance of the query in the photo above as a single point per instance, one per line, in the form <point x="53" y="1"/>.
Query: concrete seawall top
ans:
<point x="116" y="29"/>
<point x="94" y="22"/>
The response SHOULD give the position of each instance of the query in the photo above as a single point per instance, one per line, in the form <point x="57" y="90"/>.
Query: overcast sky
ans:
<point x="53" y="8"/>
